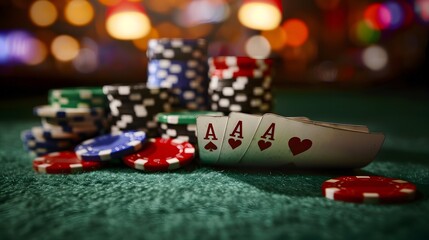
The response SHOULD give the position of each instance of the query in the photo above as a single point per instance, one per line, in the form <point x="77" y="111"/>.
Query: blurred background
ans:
<point x="55" y="43"/>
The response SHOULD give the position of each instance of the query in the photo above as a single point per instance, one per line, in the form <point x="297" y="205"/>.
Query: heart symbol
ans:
<point x="210" y="146"/>
<point x="263" y="145"/>
<point x="297" y="146"/>
<point x="234" y="143"/>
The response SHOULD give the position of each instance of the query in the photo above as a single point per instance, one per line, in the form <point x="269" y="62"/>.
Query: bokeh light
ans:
<point x="421" y="8"/>
<point x="79" y="12"/>
<point x="257" y="47"/>
<point x="396" y="13"/>
<point x="326" y="71"/>
<point x="65" y="48"/>
<point x="127" y="21"/>
<point x="364" y="34"/>
<point x="276" y="37"/>
<point x="37" y="54"/>
<point x="375" y="57"/>
<point x="141" y="43"/>
<point x="296" y="32"/>
<point x="3" y="49"/>
<point x="18" y="46"/>
<point x="260" y="15"/>
<point x="86" y="61"/>
<point x="203" y="11"/>
<point x="377" y="16"/>
<point x="43" y="13"/>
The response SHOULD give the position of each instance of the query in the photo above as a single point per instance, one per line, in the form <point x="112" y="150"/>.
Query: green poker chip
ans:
<point x="76" y="93"/>
<point x="76" y="103"/>
<point x="77" y="97"/>
<point x="185" y="117"/>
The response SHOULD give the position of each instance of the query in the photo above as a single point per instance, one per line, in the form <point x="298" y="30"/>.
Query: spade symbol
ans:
<point x="210" y="146"/>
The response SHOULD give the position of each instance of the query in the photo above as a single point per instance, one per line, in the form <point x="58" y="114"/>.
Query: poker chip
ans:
<point x="63" y="162"/>
<point x="231" y="73"/>
<point x="183" y="49"/>
<point x="368" y="189"/>
<point x="180" y="65"/>
<point x="49" y="111"/>
<point x="184" y="117"/>
<point x="134" y="107"/>
<point x="240" y="84"/>
<point x="161" y="155"/>
<point x="81" y="97"/>
<point x="223" y="62"/>
<point x="108" y="146"/>
<point x="184" y="132"/>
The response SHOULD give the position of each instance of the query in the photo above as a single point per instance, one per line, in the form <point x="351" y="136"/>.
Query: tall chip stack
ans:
<point x="181" y="66"/>
<point x="134" y="107"/>
<point x="73" y="115"/>
<point x="240" y="84"/>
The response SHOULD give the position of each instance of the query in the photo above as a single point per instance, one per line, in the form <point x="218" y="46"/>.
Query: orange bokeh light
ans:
<point x="296" y="32"/>
<point x="276" y="37"/>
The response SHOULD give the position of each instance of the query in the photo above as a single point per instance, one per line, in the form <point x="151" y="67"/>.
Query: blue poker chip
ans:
<point x="109" y="146"/>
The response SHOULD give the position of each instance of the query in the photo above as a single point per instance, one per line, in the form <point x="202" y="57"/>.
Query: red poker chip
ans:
<point x="63" y="162"/>
<point x="369" y="189"/>
<point x="161" y="154"/>
<point x="227" y="74"/>
<point x="224" y="62"/>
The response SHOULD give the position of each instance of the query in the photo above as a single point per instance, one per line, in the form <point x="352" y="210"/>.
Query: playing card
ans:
<point x="210" y="133"/>
<point x="350" y="127"/>
<point x="281" y="141"/>
<point x="238" y="134"/>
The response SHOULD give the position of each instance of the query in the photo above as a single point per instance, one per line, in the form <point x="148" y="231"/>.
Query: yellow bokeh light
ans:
<point x="259" y="15"/>
<point x="276" y="37"/>
<point x="79" y="12"/>
<point x="65" y="48"/>
<point x="128" y="25"/>
<point x="141" y="43"/>
<point x="43" y="13"/>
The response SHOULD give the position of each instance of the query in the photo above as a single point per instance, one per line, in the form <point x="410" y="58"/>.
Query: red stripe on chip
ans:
<point x="161" y="155"/>
<point x="63" y="162"/>
<point x="369" y="189"/>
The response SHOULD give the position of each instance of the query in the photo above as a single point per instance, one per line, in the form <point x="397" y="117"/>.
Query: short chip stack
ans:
<point x="240" y="84"/>
<point x="134" y="107"/>
<point x="181" y="125"/>
<point x="180" y="65"/>
<point x="74" y="114"/>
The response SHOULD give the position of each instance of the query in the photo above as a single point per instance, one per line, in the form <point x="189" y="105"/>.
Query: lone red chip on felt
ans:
<point x="63" y="162"/>
<point x="369" y="189"/>
<point x="160" y="154"/>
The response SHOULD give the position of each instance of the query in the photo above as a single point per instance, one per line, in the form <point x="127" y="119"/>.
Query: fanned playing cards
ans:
<point x="271" y="140"/>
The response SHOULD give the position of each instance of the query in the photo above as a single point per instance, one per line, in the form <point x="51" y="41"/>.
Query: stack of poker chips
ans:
<point x="240" y="84"/>
<point x="134" y="107"/>
<point x="181" y="125"/>
<point x="73" y="115"/>
<point x="181" y="66"/>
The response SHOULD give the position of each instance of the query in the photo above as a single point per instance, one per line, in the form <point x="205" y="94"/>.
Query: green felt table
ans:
<point x="200" y="202"/>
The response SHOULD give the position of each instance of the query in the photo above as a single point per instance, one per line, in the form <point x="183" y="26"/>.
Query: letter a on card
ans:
<point x="210" y="131"/>
<point x="239" y="133"/>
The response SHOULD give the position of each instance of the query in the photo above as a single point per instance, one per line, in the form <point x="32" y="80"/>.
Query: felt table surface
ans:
<point x="200" y="202"/>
